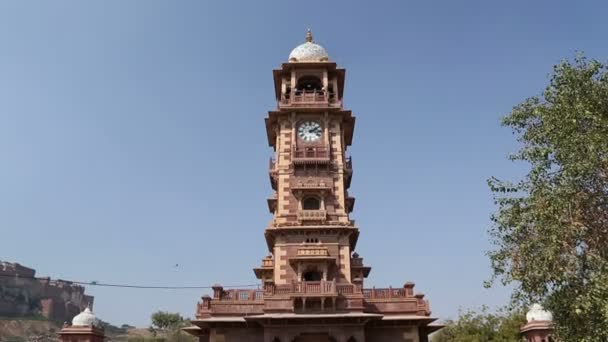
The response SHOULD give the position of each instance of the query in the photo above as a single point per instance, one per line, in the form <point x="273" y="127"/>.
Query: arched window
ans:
<point x="311" y="203"/>
<point x="309" y="84"/>
<point x="312" y="276"/>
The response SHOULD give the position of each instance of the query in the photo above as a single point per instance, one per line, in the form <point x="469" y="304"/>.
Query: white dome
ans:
<point x="537" y="313"/>
<point x="309" y="51"/>
<point x="86" y="317"/>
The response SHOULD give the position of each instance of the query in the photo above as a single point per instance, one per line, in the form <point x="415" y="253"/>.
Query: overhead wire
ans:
<point x="131" y="286"/>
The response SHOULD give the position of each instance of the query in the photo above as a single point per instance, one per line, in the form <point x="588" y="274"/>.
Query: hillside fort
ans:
<point x="23" y="294"/>
<point x="312" y="281"/>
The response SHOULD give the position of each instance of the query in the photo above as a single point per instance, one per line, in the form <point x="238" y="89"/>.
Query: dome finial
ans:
<point x="309" y="36"/>
<point x="309" y="51"/>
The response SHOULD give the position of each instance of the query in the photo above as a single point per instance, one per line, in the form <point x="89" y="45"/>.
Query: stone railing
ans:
<point x="305" y="98"/>
<point x="267" y="262"/>
<point x="312" y="215"/>
<point x="241" y="295"/>
<point x="232" y="302"/>
<point x="323" y="287"/>
<point x="348" y="289"/>
<point x="313" y="251"/>
<point x="280" y="298"/>
<point x="311" y="154"/>
<point x="312" y="184"/>
<point x="396" y="300"/>
<point x="390" y="292"/>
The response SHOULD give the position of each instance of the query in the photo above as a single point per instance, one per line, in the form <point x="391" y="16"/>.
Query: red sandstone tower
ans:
<point x="312" y="282"/>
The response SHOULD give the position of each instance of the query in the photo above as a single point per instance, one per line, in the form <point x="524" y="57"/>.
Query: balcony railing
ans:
<point x="386" y="293"/>
<point x="312" y="184"/>
<point x="312" y="215"/>
<point x="311" y="155"/>
<point x="241" y="295"/>
<point x="313" y="152"/>
<point x="313" y="251"/>
<point x="305" y="98"/>
<point x="313" y="288"/>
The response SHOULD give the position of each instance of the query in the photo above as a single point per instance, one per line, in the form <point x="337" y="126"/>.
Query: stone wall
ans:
<point x="22" y="294"/>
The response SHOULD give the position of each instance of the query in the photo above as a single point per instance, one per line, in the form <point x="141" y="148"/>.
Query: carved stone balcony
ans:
<point x="348" y="171"/>
<point x="312" y="215"/>
<point x="350" y="204"/>
<point x="272" y="204"/>
<point x="309" y="98"/>
<point x="311" y="155"/>
<point x="312" y="184"/>
<point x="266" y="271"/>
<point x="283" y="297"/>
<point x="323" y="288"/>
<point x="313" y="251"/>
<point x="272" y="173"/>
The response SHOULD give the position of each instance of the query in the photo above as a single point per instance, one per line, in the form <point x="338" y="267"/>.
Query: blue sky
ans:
<point x="132" y="136"/>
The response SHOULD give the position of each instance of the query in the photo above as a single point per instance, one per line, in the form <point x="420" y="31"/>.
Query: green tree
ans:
<point x="164" y="320"/>
<point x="482" y="326"/>
<point x="170" y="325"/>
<point x="550" y="230"/>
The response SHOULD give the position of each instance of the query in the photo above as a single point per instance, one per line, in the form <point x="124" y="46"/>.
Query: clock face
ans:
<point x="310" y="131"/>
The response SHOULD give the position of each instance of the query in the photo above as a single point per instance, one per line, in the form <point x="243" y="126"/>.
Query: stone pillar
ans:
<point x="217" y="291"/>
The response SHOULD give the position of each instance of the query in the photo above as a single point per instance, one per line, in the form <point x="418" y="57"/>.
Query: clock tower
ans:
<point x="311" y="236"/>
<point x="312" y="281"/>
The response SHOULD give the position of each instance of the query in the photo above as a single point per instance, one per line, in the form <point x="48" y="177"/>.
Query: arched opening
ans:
<point x="351" y="339"/>
<point x="314" y="338"/>
<point x="276" y="339"/>
<point x="312" y="276"/>
<point x="309" y="84"/>
<point x="311" y="203"/>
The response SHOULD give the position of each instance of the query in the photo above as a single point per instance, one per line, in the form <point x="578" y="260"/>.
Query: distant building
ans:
<point x="539" y="327"/>
<point x="312" y="282"/>
<point x="23" y="294"/>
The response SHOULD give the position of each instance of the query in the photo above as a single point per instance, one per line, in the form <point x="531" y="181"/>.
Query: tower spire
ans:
<point x="309" y="36"/>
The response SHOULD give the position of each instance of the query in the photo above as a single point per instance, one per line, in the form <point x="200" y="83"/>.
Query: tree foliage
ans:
<point x="482" y="326"/>
<point x="164" y="320"/>
<point x="170" y="325"/>
<point x="550" y="230"/>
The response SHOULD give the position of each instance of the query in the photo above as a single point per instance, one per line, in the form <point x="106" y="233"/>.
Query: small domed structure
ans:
<point x="539" y="327"/>
<point x="85" y="318"/>
<point x="309" y="51"/>
<point x="537" y="313"/>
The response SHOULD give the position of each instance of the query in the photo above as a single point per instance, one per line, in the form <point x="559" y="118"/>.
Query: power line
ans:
<point x="131" y="286"/>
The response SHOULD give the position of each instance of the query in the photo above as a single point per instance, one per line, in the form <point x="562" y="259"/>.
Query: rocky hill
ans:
<point x="22" y="330"/>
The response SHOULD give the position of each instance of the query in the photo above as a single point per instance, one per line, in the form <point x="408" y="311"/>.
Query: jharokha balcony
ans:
<point x="324" y="295"/>
<point x="309" y="98"/>
<point x="312" y="215"/>
<point x="311" y="155"/>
